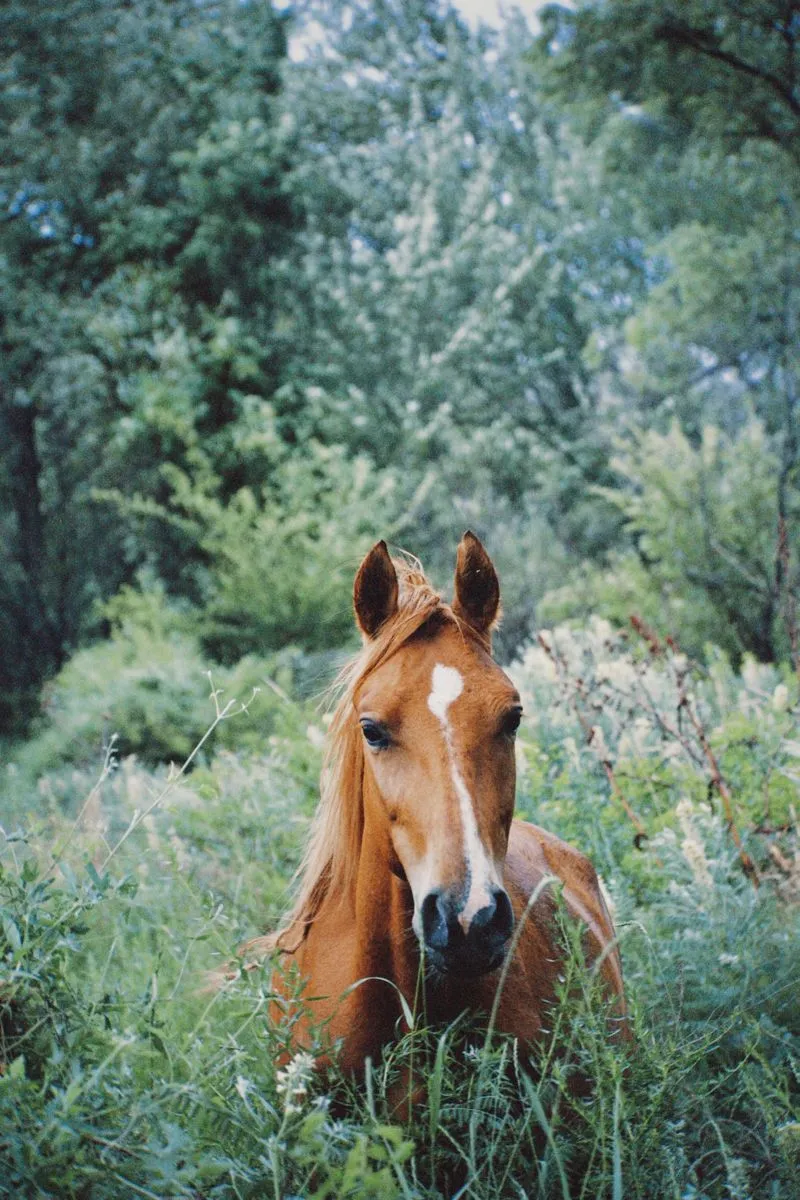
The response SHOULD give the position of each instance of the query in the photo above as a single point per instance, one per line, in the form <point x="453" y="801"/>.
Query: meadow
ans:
<point x="278" y="280"/>
<point x="123" y="885"/>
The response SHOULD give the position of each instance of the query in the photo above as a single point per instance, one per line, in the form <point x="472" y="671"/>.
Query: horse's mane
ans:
<point x="330" y="863"/>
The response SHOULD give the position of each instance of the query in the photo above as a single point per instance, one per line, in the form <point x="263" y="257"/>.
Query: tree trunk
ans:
<point x="18" y="424"/>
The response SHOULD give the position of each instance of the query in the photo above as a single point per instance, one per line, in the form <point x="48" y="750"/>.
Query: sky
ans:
<point x="491" y="12"/>
<point x="480" y="10"/>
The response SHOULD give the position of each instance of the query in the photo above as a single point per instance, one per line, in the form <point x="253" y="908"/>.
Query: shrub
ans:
<point x="624" y="727"/>
<point x="151" y="687"/>
<point x="121" y="1075"/>
<point x="704" y="521"/>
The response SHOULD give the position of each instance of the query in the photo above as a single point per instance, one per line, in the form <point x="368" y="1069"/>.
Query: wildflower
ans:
<point x="601" y="629"/>
<point x="573" y="753"/>
<point x="635" y="740"/>
<point x="780" y="698"/>
<point x="538" y="665"/>
<point x="293" y="1080"/>
<point x="619" y="672"/>
<point x="692" y="846"/>
<point x="599" y="743"/>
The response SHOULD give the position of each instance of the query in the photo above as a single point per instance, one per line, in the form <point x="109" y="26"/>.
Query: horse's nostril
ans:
<point x="471" y="950"/>
<point x="504" y="917"/>
<point x="434" y="921"/>
<point x="496" y="919"/>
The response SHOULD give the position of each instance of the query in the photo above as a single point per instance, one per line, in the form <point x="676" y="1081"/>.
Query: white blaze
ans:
<point x="446" y="686"/>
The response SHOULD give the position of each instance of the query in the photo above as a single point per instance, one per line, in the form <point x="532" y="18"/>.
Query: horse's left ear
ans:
<point x="375" y="590"/>
<point x="477" y="598"/>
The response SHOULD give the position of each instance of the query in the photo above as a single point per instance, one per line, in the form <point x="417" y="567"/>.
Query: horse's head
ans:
<point x="438" y="719"/>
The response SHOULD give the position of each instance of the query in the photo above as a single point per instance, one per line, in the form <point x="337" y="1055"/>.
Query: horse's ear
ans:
<point x="375" y="590"/>
<point x="477" y="598"/>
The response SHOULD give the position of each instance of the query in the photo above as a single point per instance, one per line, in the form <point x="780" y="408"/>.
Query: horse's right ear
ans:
<point x="375" y="590"/>
<point x="477" y="598"/>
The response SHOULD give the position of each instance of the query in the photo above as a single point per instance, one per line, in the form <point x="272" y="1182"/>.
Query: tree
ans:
<point x="694" y="113"/>
<point x="701" y="518"/>
<point x="142" y="183"/>
<point x="438" y="312"/>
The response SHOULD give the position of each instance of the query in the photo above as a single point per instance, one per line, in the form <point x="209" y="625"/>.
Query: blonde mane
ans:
<point x="330" y="863"/>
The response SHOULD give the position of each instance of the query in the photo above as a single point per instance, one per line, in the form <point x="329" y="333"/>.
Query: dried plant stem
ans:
<point x="783" y="863"/>
<point x="109" y="765"/>
<point x="748" y="866"/>
<point x="222" y="714"/>
<point x="681" y="674"/>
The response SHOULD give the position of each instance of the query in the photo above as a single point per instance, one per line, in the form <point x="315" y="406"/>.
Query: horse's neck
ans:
<point x="383" y="903"/>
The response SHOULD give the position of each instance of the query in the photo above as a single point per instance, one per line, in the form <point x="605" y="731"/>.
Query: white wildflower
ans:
<point x="756" y="675"/>
<point x="634" y="742"/>
<point x="601" y="629"/>
<point x="573" y="753"/>
<point x="599" y="744"/>
<point x="692" y="845"/>
<point x="670" y="750"/>
<point x="780" y="698"/>
<point x="292" y="1081"/>
<point x="619" y="672"/>
<point x="538" y="664"/>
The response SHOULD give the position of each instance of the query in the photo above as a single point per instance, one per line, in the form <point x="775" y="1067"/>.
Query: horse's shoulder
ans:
<point x="547" y="853"/>
<point x="534" y="853"/>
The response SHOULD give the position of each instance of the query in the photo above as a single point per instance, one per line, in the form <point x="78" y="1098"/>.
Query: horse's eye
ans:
<point x="511" y="722"/>
<point x="374" y="734"/>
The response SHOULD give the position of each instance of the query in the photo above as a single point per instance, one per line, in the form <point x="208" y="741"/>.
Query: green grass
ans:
<point x="123" y="1076"/>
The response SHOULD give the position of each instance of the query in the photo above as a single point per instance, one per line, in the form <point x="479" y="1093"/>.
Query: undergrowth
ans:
<point x="122" y="1075"/>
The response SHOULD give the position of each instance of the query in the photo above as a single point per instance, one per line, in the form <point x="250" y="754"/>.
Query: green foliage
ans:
<point x="666" y="732"/>
<point x="709" y="1084"/>
<point x="691" y="120"/>
<point x="711" y="66"/>
<point x="703" y="519"/>
<point x="121" y="1072"/>
<point x="111" y="196"/>
<point x="401" y="284"/>
<point x="150" y="691"/>
<point x="441" y="303"/>
<point x="278" y="565"/>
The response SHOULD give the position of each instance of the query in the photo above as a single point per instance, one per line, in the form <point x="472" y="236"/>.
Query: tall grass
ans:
<point x="122" y="1076"/>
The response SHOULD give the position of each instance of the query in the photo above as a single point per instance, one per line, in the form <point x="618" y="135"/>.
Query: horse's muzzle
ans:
<point x="482" y="948"/>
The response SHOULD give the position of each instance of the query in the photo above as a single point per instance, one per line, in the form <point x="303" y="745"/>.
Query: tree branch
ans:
<point x="677" y="32"/>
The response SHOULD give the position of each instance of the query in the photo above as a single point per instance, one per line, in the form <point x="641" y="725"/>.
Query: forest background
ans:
<point x="276" y="283"/>
<point x="258" y="311"/>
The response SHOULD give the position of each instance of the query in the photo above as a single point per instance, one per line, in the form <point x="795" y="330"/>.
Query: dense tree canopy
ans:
<point x="142" y="181"/>
<point x="258" y="310"/>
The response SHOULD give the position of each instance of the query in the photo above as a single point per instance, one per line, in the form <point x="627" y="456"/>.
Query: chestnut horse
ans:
<point x="415" y="853"/>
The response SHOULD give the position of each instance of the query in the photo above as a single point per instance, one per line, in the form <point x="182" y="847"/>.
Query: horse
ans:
<point x="416" y="868"/>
